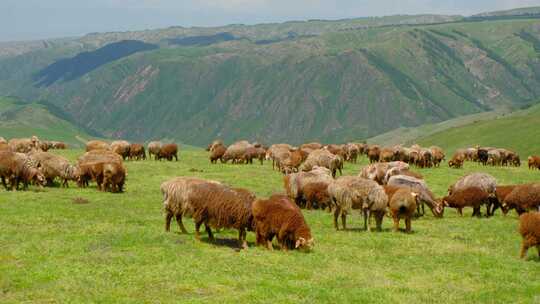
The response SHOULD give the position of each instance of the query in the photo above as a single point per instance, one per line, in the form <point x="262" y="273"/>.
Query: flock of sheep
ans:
<point x="387" y="186"/>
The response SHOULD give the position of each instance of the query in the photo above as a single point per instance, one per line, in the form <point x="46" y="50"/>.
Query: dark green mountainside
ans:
<point x="319" y="80"/>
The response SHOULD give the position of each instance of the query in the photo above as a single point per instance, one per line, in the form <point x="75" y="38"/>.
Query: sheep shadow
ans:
<point x="227" y="243"/>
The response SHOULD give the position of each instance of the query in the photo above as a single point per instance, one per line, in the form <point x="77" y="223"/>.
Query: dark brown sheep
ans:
<point x="534" y="162"/>
<point x="137" y="152"/>
<point x="457" y="161"/>
<point x="316" y="194"/>
<point x="373" y="153"/>
<point x="500" y="195"/>
<point x="168" y="151"/>
<point x="295" y="158"/>
<point x="529" y="228"/>
<point x="469" y="197"/>
<point x="295" y="184"/>
<point x="402" y="205"/>
<point x="523" y="198"/>
<point x="279" y="216"/>
<point x="386" y="155"/>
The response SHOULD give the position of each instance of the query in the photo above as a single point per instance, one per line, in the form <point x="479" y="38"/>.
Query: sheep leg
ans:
<point x="336" y="215"/>
<point x="4" y="183"/>
<point x="180" y="224"/>
<point x="378" y="220"/>
<point x="209" y="231"/>
<point x="396" y="223"/>
<point x="408" y="224"/>
<point x="460" y="211"/>
<point x="242" y="238"/>
<point x="344" y="220"/>
<point x="269" y="244"/>
<point x="168" y="218"/>
<point x="524" y="248"/>
<point x="366" y="218"/>
<point x="197" y="228"/>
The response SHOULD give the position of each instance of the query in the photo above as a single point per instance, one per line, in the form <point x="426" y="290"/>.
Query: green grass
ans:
<point x="114" y="249"/>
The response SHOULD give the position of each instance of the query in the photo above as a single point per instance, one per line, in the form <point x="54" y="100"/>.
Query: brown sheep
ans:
<point x="312" y="146"/>
<point x="217" y="142"/>
<point x="216" y="152"/>
<point x="96" y="145"/>
<point x="114" y="176"/>
<point x="402" y="204"/>
<point x="352" y="192"/>
<point x="90" y="166"/>
<point x="121" y="147"/>
<point x="500" y="194"/>
<point x="316" y="194"/>
<point x="529" y="228"/>
<point x="378" y="171"/>
<point x="425" y="196"/>
<point x="23" y="145"/>
<point x="53" y="166"/>
<point x="336" y="150"/>
<point x="295" y="184"/>
<point x="437" y="154"/>
<point x="100" y="156"/>
<point x="4" y="147"/>
<point x="373" y="153"/>
<point x="534" y="162"/>
<point x="168" y="151"/>
<point x="137" y="152"/>
<point x="153" y="149"/>
<point x="468" y="197"/>
<point x="351" y="152"/>
<point x="386" y="155"/>
<point x="252" y="153"/>
<point x="523" y="198"/>
<point x="457" y="161"/>
<point x="279" y="216"/>
<point x="218" y="206"/>
<point x="236" y="152"/>
<point x="295" y="158"/>
<point x="16" y="169"/>
<point x="323" y="158"/>
<point x="59" y="145"/>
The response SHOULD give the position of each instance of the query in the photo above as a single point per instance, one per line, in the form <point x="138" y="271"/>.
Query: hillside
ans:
<point x="317" y="80"/>
<point x="518" y="131"/>
<point x="18" y="119"/>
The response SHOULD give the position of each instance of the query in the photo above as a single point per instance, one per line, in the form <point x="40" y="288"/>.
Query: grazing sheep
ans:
<point x="425" y="159"/>
<point x="217" y="142"/>
<point x="212" y="204"/>
<point x="523" y="198"/>
<point x="114" y="176"/>
<point x="378" y="171"/>
<point x="425" y="196"/>
<point x="483" y="155"/>
<point x="483" y="181"/>
<point x="59" y="145"/>
<point x="534" y="162"/>
<point x="438" y="155"/>
<point x="153" y="149"/>
<point x="494" y="157"/>
<point x="295" y="184"/>
<point x="316" y="194"/>
<point x="457" y="160"/>
<point x="468" y="197"/>
<point x="352" y="192"/>
<point x="90" y="166"/>
<point x="323" y="158"/>
<point x="53" y="166"/>
<point x="351" y="152"/>
<point x="279" y="216"/>
<point x="402" y="204"/>
<point x="336" y="150"/>
<point x="96" y="145"/>
<point x="386" y="155"/>
<point x="121" y="147"/>
<point x="293" y="161"/>
<point x="137" y="152"/>
<point x="277" y="152"/>
<point x="236" y="152"/>
<point x="373" y="153"/>
<point x="529" y="228"/>
<point x="312" y="146"/>
<point x="168" y="151"/>
<point x="500" y="194"/>
<point x="100" y="156"/>
<point x="400" y="171"/>
<point x="15" y="168"/>
<point x="216" y="152"/>
<point x="471" y="154"/>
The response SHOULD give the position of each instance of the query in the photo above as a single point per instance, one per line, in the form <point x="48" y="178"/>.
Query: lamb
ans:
<point x="534" y="162"/>
<point x="295" y="185"/>
<point x="425" y="196"/>
<point x="121" y="147"/>
<point x="212" y="204"/>
<point x="96" y="145"/>
<point x="137" y="152"/>
<point x="279" y="216"/>
<point x="168" y="151"/>
<point x="153" y="149"/>
<point x="523" y="198"/>
<point x="529" y="228"/>
<point x="467" y="197"/>
<point x="15" y="168"/>
<point x="351" y="192"/>
<point x="323" y="158"/>
<point x="216" y="152"/>
<point x="402" y="204"/>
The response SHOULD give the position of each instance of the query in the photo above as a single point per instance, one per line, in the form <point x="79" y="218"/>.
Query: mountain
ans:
<point x="22" y="119"/>
<point x="331" y="81"/>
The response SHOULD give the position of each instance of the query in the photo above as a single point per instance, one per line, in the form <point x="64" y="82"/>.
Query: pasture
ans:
<point x="111" y="248"/>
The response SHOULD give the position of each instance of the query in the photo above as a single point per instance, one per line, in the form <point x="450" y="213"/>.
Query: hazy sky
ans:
<point x="36" y="19"/>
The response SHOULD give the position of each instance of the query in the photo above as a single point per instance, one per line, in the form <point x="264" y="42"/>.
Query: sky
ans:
<point x="40" y="19"/>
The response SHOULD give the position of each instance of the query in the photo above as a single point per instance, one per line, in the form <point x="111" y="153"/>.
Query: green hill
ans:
<point x="331" y="81"/>
<point x="517" y="131"/>
<point x="18" y="119"/>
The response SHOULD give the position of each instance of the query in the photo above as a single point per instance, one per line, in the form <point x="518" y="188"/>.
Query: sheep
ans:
<point x="399" y="171"/>
<point x="437" y="154"/>
<point x="312" y="146"/>
<point x="295" y="184"/>
<point x="336" y="150"/>
<point x="168" y="151"/>
<point x="386" y="155"/>
<point x="529" y="228"/>
<point x="316" y="194"/>
<point x="425" y="196"/>
<point x="153" y="149"/>
<point x="352" y="192"/>
<point x="457" y="160"/>
<point x="53" y="166"/>
<point x="402" y="204"/>
<point x="90" y="166"/>
<point x="500" y="195"/>
<point x="534" y="162"/>
<point x="216" y="152"/>
<point x="523" y="198"/>
<point x="4" y="147"/>
<point x="483" y="155"/>
<point x="137" y="152"/>
<point x="23" y="145"/>
<point x="114" y="176"/>
<point x="483" y="181"/>
<point x="96" y="145"/>
<point x="494" y="158"/>
<point x="3" y="140"/>
<point x="100" y="156"/>
<point x="351" y="152"/>
<point x="15" y="168"/>
<point x="59" y="145"/>
<point x="471" y="154"/>
<point x="323" y="158"/>
<point x="279" y="216"/>
<point x="121" y="147"/>
<point x="236" y="151"/>
<point x="293" y="161"/>
<point x="273" y="151"/>
<point x="373" y="153"/>
<point x="468" y="197"/>
<point x="217" y="142"/>
<point x="378" y="171"/>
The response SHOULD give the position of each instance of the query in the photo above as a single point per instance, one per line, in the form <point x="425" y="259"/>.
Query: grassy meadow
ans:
<point x="114" y="248"/>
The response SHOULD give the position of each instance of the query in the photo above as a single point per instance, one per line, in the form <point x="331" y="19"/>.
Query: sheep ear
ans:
<point x="299" y="242"/>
